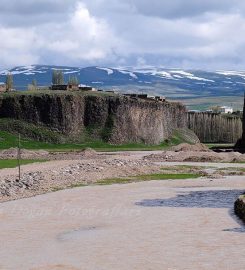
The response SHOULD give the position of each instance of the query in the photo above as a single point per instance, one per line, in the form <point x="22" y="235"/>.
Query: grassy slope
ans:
<point x="8" y="140"/>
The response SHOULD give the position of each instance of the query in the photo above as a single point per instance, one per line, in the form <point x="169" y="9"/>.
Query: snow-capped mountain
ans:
<point x="173" y="83"/>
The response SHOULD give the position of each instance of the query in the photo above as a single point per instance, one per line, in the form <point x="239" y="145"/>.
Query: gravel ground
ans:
<point x="66" y="170"/>
<point x="38" y="178"/>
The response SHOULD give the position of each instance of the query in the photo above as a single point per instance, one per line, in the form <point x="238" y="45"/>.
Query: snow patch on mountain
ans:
<point x="231" y="73"/>
<point x="131" y="74"/>
<point x="108" y="70"/>
<point x="189" y="75"/>
<point x="163" y="74"/>
<point x="71" y="72"/>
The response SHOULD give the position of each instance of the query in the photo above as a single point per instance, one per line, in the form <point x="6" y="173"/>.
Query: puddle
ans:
<point x="197" y="199"/>
<point x="237" y="230"/>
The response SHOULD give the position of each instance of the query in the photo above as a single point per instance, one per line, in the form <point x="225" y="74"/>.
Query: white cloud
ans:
<point x="81" y="37"/>
<point x="191" y="33"/>
<point x="16" y="47"/>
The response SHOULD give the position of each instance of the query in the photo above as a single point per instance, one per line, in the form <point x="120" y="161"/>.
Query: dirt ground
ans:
<point x="153" y="225"/>
<point x="157" y="225"/>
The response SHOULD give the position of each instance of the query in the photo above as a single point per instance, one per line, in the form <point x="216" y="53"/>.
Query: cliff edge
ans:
<point x="114" y="118"/>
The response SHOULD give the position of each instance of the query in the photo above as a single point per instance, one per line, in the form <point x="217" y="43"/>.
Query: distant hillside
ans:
<point x="197" y="89"/>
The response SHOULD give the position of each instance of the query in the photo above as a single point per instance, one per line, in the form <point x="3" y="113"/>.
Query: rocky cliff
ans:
<point x="215" y="128"/>
<point x="241" y="142"/>
<point x="114" y="118"/>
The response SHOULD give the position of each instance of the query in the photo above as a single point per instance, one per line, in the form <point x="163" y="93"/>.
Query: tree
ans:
<point x="32" y="86"/>
<point x="34" y="83"/>
<point x="9" y="82"/>
<point x="57" y="77"/>
<point x="73" y="80"/>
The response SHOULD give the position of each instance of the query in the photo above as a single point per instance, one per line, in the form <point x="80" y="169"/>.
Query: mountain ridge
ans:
<point x="175" y="83"/>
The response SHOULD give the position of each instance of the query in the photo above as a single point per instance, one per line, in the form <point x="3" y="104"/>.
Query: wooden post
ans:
<point x="19" y="156"/>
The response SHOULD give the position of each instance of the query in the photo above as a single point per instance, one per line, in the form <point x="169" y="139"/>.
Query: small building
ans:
<point x="144" y="96"/>
<point x="72" y="87"/>
<point x="62" y="87"/>
<point x="151" y="97"/>
<point x="226" y="109"/>
<point x="84" y="87"/>
<point x="160" y="98"/>
<point x="3" y="87"/>
<point x="65" y="87"/>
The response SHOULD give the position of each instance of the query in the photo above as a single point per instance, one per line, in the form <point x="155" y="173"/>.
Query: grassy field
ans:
<point x="12" y="163"/>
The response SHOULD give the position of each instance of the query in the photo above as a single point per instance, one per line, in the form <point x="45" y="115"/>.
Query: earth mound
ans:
<point x="88" y="153"/>
<point x="207" y="158"/>
<point x="185" y="147"/>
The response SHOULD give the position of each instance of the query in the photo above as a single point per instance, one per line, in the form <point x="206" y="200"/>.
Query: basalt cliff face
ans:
<point x="241" y="142"/>
<point x="117" y="119"/>
<point x="215" y="128"/>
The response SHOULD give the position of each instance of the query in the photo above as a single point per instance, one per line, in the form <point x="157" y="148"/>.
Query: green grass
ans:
<point x="12" y="163"/>
<point x="221" y="145"/>
<point x="8" y="140"/>
<point x="181" y="168"/>
<point x="31" y="131"/>
<point x="148" y="177"/>
<point x="55" y="189"/>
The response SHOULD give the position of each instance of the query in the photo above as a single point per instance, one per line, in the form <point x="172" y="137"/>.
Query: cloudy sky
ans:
<point x="207" y="34"/>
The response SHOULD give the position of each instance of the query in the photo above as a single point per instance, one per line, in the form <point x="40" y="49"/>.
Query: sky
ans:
<point x="190" y="34"/>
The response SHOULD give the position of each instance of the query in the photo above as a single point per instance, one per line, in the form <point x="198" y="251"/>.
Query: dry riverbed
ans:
<point x="177" y="225"/>
<point x="154" y="225"/>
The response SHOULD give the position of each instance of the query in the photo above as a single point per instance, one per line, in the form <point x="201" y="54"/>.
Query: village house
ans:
<point x="226" y="109"/>
<point x="146" y="96"/>
<point x="65" y="87"/>
<point x="84" y="87"/>
<point x="2" y="87"/>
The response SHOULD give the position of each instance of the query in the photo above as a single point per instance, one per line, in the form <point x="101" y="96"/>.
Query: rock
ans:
<point x="239" y="207"/>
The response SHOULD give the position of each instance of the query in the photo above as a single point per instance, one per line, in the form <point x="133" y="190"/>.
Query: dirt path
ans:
<point x="177" y="225"/>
